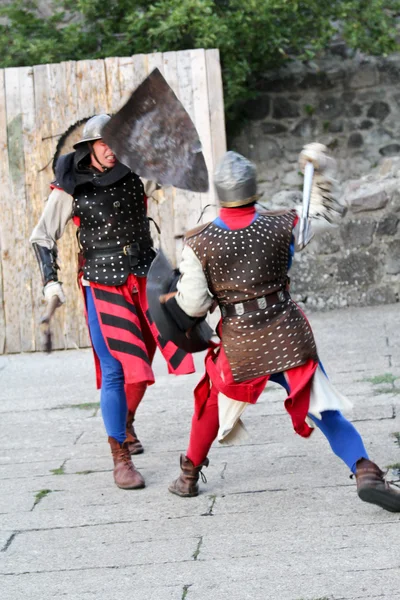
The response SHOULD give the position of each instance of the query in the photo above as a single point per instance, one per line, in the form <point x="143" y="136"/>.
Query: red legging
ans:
<point x="342" y="436"/>
<point x="134" y="393"/>
<point x="205" y="428"/>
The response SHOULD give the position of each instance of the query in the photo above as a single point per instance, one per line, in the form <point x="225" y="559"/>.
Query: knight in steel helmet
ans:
<point x="93" y="128"/>
<point x="235" y="181"/>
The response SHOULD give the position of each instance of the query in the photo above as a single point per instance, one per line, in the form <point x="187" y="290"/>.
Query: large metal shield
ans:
<point x="155" y="137"/>
<point x="162" y="279"/>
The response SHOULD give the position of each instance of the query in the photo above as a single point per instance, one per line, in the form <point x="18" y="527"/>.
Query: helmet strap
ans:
<point x="92" y="151"/>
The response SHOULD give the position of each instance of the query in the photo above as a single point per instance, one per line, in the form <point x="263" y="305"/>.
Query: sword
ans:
<point x="304" y="226"/>
<point x="52" y="306"/>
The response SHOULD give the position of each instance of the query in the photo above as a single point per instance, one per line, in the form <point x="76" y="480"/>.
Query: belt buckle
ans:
<point x="125" y="249"/>
<point x="239" y="309"/>
<point x="281" y="296"/>
<point x="262" y="302"/>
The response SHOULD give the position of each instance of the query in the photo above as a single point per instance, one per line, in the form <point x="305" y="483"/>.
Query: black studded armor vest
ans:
<point x="246" y="264"/>
<point x="112" y="218"/>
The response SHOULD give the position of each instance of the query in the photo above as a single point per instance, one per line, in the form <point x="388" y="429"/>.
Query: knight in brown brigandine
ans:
<point x="240" y="262"/>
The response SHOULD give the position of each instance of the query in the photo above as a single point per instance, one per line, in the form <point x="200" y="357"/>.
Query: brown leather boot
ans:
<point x="186" y="485"/>
<point x="125" y="474"/>
<point x="373" y="488"/>
<point x="135" y="447"/>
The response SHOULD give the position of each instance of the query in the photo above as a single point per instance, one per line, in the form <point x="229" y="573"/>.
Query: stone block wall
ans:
<point x="353" y="107"/>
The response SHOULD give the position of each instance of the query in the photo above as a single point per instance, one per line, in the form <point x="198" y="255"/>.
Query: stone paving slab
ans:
<point x="242" y="578"/>
<point x="278" y="519"/>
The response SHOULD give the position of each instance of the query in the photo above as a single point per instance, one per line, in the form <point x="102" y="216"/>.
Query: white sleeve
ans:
<point x="153" y="191"/>
<point x="193" y="295"/>
<point x="55" y="216"/>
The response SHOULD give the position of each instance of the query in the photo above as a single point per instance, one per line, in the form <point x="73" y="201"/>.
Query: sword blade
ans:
<point x="54" y="303"/>
<point x="307" y="185"/>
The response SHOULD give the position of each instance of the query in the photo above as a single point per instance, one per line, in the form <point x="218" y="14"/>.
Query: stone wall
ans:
<point x="352" y="106"/>
<point x="357" y="261"/>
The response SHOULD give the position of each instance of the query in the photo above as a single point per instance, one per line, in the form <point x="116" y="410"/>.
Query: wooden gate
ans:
<point x="37" y="105"/>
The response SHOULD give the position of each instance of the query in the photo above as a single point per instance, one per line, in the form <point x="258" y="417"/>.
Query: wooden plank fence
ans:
<point x="37" y="105"/>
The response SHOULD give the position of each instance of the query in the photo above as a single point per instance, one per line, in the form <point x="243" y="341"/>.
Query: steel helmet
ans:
<point x="93" y="128"/>
<point x="235" y="181"/>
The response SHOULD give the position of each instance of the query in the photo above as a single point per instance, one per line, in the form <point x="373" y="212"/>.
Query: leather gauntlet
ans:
<point x="182" y="320"/>
<point x="47" y="260"/>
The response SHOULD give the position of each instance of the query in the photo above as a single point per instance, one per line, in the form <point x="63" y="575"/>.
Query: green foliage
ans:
<point x="60" y="470"/>
<point x="368" y="25"/>
<point x="393" y="391"/>
<point x="253" y="36"/>
<point x="324" y="598"/>
<point x="395" y="467"/>
<point x="388" y="381"/>
<point x="40" y="494"/>
<point x="86" y="406"/>
<point x="185" y="591"/>
<point x="83" y="406"/>
<point x="385" y="378"/>
<point x="309" y="110"/>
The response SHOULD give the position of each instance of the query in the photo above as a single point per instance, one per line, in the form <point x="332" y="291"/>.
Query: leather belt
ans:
<point x="133" y="249"/>
<point x="240" y="308"/>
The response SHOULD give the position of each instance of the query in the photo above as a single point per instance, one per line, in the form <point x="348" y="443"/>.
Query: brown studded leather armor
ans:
<point x="248" y="264"/>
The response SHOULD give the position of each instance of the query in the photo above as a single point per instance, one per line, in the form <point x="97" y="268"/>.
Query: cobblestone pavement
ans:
<point x="278" y="519"/>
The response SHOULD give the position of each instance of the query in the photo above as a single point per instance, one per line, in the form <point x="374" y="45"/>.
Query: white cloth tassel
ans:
<point x="324" y="201"/>
<point x="231" y="430"/>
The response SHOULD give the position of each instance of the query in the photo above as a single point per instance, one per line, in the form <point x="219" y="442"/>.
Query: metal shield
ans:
<point x="155" y="137"/>
<point x="162" y="279"/>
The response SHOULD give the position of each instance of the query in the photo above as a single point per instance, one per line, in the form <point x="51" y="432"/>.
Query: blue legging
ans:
<point x="342" y="436"/>
<point x="112" y="398"/>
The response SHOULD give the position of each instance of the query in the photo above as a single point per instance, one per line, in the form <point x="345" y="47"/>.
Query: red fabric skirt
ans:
<point x="219" y="375"/>
<point x="131" y="335"/>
